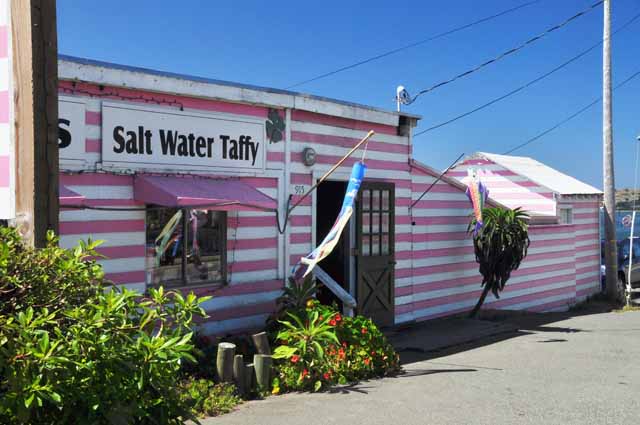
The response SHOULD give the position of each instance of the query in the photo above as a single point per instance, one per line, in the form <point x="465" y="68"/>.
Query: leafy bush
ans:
<point x="206" y="398"/>
<point x="293" y="299"/>
<point x="51" y="277"/>
<point x="320" y="348"/>
<point x="306" y="366"/>
<point x="91" y="358"/>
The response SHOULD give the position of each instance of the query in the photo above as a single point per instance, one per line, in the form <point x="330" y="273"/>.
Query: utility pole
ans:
<point x="35" y="88"/>
<point x="610" y="245"/>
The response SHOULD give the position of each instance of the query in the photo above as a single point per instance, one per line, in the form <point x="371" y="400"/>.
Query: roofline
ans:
<point x="450" y="180"/>
<point x="534" y="219"/>
<point x="107" y="73"/>
<point x="483" y="154"/>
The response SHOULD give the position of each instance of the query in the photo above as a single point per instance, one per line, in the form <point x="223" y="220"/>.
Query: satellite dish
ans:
<point x="402" y="95"/>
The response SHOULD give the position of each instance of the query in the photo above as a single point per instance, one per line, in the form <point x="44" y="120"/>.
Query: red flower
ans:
<point x="373" y="353"/>
<point x="295" y="358"/>
<point x="304" y="373"/>
<point x="344" y="344"/>
<point x="326" y="376"/>
<point x="332" y="322"/>
<point x="337" y="317"/>
<point x="363" y="331"/>
<point x="341" y="352"/>
<point x="367" y="361"/>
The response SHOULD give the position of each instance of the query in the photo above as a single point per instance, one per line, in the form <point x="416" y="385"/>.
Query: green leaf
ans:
<point x="55" y="397"/>
<point x="284" y="352"/>
<point x="29" y="400"/>
<point x="317" y="386"/>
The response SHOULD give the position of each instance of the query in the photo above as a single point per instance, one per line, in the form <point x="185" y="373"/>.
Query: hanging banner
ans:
<point x="477" y="194"/>
<point x="307" y="263"/>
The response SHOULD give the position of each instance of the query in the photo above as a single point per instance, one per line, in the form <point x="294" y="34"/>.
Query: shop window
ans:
<point x="566" y="216"/>
<point x="185" y="247"/>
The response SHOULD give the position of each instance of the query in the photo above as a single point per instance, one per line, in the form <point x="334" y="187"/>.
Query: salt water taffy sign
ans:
<point x="146" y="137"/>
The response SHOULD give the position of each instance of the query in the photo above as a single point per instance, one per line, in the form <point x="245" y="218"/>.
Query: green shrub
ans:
<point x="95" y="357"/>
<point x="51" y="277"/>
<point x="293" y="299"/>
<point x="305" y="365"/>
<point x="320" y="348"/>
<point x="206" y="398"/>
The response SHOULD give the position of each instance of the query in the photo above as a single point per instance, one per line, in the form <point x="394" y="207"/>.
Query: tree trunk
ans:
<point x="485" y="291"/>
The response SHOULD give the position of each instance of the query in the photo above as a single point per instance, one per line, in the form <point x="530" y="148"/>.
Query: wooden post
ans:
<point x="610" y="240"/>
<point x="261" y="342"/>
<point x="224" y="361"/>
<point x="249" y="375"/>
<point x="262" y="366"/>
<point x="238" y="374"/>
<point x="35" y="72"/>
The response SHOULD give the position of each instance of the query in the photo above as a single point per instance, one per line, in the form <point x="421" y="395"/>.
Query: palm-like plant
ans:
<point x="500" y="246"/>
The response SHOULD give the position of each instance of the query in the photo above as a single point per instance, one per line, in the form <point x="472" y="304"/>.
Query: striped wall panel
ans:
<point x="6" y="148"/>
<point x="438" y="275"/>
<point x="251" y="243"/>
<point x="585" y="210"/>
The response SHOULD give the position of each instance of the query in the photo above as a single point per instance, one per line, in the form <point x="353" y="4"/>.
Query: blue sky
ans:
<point x="277" y="44"/>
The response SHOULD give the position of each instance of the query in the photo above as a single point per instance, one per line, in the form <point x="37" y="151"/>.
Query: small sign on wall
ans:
<point x="147" y="137"/>
<point x="299" y="189"/>
<point x="71" y="129"/>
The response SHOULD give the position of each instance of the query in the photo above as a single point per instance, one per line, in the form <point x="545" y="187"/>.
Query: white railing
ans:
<point x="348" y="302"/>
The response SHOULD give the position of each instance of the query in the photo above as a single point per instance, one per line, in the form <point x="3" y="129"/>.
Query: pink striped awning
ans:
<point x="206" y="193"/>
<point x="69" y="198"/>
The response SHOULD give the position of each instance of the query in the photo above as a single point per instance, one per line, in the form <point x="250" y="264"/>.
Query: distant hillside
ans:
<point x="625" y="197"/>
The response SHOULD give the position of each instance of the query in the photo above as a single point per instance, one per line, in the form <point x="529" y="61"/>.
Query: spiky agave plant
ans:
<point x="500" y="245"/>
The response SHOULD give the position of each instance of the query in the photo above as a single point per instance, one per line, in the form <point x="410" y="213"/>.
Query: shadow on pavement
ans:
<point x="553" y="340"/>
<point x="421" y="372"/>
<point x="442" y="337"/>
<point x="348" y="389"/>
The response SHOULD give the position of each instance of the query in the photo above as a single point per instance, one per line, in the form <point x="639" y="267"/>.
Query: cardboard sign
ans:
<point x="147" y="137"/>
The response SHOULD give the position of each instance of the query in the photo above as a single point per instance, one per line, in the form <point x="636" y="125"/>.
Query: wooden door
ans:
<point x="375" y="236"/>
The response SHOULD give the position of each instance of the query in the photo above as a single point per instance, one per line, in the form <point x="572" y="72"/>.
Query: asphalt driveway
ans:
<point x="559" y="370"/>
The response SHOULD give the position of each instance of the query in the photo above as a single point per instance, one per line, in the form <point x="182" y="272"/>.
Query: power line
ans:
<point x="569" y="118"/>
<point x="524" y="86"/>
<point x="417" y="43"/>
<point x="508" y="52"/>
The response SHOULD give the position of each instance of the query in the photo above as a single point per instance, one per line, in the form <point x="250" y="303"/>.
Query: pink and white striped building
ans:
<point x="7" y="206"/>
<point x="145" y="156"/>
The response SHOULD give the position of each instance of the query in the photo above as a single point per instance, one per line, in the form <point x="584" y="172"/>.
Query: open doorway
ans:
<point x="329" y="198"/>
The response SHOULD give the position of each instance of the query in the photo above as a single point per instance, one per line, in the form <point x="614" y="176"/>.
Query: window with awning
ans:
<point x="201" y="192"/>
<point x="186" y="225"/>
